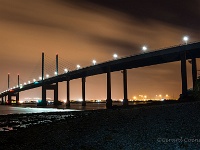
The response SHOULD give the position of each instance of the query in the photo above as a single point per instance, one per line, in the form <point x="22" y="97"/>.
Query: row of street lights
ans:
<point x="115" y="56"/>
<point x="185" y="39"/>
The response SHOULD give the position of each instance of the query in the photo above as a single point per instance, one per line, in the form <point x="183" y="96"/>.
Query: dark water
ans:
<point x="32" y="108"/>
<point x="38" y="115"/>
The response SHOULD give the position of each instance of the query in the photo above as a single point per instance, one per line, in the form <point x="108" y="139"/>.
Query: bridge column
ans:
<point x="2" y="100"/>
<point x="184" y="75"/>
<point x="109" y="100"/>
<point x="5" y="99"/>
<point x="17" y="98"/>
<point x="125" y="100"/>
<point x="9" y="98"/>
<point x="83" y="91"/>
<point x="56" y="94"/>
<point x="44" y="96"/>
<point x="194" y="71"/>
<point x="68" y="93"/>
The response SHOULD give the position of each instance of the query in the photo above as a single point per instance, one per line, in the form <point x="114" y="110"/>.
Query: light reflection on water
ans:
<point x="4" y="110"/>
<point x="32" y="108"/>
<point x="24" y="120"/>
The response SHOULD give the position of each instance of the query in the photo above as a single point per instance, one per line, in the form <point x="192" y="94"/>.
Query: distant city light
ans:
<point x="65" y="70"/>
<point x="40" y="78"/>
<point x="144" y="48"/>
<point x="115" y="56"/>
<point x="24" y="83"/>
<point x="29" y="82"/>
<point x="20" y="102"/>
<point x="185" y="39"/>
<point x="80" y="99"/>
<point x="34" y="80"/>
<point x="47" y="75"/>
<point x="78" y="66"/>
<point x="55" y="73"/>
<point x="94" y="62"/>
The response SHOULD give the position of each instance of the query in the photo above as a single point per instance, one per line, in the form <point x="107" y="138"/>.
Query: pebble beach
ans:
<point x="163" y="126"/>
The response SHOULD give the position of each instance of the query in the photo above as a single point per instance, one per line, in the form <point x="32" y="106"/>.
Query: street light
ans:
<point x="29" y="82"/>
<point x="34" y="80"/>
<point x="78" y="66"/>
<point x="115" y="56"/>
<point x="144" y="48"/>
<point x="94" y="62"/>
<point x="47" y="75"/>
<point x="65" y="70"/>
<point x="40" y="78"/>
<point x="185" y="39"/>
<point x="55" y="73"/>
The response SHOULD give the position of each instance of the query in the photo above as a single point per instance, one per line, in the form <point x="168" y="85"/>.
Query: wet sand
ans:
<point x="169" y="126"/>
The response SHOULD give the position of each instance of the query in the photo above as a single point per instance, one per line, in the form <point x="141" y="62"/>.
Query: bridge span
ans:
<point x="178" y="53"/>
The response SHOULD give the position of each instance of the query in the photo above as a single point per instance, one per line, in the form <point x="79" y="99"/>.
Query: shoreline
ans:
<point x="141" y="127"/>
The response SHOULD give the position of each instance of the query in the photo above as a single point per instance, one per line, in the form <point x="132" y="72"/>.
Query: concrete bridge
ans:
<point x="179" y="53"/>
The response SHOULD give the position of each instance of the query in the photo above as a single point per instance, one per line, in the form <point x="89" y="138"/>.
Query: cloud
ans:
<point x="175" y="12"/>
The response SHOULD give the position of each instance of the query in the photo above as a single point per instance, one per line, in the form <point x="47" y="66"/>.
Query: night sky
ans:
<point x="83" y="30"/>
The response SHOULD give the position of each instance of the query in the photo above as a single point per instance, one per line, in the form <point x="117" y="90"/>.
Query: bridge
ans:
<point x="178" y="53"/>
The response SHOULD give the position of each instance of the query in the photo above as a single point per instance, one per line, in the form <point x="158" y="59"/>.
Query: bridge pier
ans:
<point x="10" y="95"/>
<point x="194" y="71"/>
<point x="2" y="101"/>
<point x="44" y="100"/>
<point x="9" y="99"/>
<point x="5" y="99"/>
<point x="68" y="93"/>
<point x="49" y="87"/>
<point x="108" y="100"/>
<point x="184" y="75"/>
<point x="17" y="98"/>
<point x="56" y="94"/>
<point x="125" y="100"/>
<point x="83" y="91"/>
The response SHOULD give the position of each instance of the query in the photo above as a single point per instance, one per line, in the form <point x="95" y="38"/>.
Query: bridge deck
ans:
<point x="171" y="54"/>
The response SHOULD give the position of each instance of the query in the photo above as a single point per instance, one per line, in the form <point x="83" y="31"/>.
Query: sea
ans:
<point x="33" y="108"/>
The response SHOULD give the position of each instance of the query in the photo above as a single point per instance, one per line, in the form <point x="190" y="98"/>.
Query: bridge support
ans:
<point x="194" y="71"/>
<point x="5" y="99"/>
<point x="17" y="98"/>
<point x="2" y="100"/>
<point x="49" y="87"/>
<point x="184" y="75"/>
<point x="68" y="93"/>
<point x="83" y="91"/>
<point x="109" y="100"/>
<point x="125" y="100"/>
<point x="12" y="94"/>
